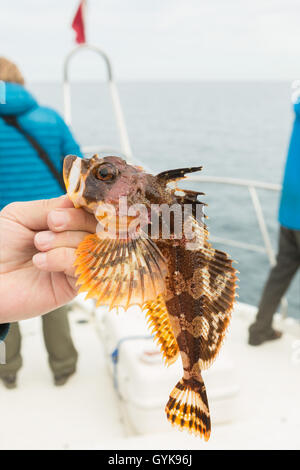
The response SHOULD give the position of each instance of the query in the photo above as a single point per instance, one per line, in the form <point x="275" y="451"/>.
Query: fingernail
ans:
<point x="40" y="260"/>
<point x="58" y="219"/>
<point x="44" y="239"/>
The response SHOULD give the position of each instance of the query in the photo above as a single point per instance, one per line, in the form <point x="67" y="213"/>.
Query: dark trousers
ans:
<point x="57" y="336"/>
<point x="280" y="277"/>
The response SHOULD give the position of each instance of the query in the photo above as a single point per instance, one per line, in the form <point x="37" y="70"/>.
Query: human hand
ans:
<point x="37" y="253"/>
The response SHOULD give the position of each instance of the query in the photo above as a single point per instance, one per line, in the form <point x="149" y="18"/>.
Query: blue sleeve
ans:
<point x="68" y="143"/>
<point x="297" y="109"/>
<point x="3" y="331"/>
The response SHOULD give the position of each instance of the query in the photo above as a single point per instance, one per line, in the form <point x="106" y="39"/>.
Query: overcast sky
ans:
<point x="157" y="39"/>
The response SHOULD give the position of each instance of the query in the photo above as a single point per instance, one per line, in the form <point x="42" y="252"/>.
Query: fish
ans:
<point x="184" y="286"/>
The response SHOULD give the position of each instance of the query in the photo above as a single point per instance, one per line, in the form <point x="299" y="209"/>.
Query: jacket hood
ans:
<point x="18" y="100"/>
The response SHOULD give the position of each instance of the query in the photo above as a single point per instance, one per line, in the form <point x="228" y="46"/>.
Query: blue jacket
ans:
<point x="23" y="176"/>
<point x="289" y="210"/>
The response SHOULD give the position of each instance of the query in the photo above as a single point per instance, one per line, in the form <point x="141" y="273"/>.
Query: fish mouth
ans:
<point x="113" y="225"/>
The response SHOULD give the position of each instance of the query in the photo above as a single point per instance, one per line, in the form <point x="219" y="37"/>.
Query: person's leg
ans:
<point x="297" y="236"/>
<point x="287" y="263"/>
<point x="59" y="344"/>
<point x="8" y="371"/>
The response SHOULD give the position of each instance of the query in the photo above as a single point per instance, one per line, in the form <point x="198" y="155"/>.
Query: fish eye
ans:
<point x="105" y="172"/>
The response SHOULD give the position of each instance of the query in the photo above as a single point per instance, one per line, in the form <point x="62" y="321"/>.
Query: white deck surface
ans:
<point x="84" y="414"/>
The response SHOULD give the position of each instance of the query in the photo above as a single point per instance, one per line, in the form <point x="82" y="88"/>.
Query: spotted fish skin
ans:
<point x="185" y="287"/>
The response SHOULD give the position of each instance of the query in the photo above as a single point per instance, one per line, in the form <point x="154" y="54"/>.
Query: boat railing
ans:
<point x="114" y="93"/>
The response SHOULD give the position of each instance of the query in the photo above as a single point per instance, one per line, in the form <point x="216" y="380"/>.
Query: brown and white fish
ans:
<point x="186" y="290"/>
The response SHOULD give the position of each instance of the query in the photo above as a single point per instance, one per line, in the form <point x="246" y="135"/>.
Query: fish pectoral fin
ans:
<point x="120" y="272"/>
<point x="187" y="407"/>
<point x="213" y="285"/>
<point x="158" y="321"/>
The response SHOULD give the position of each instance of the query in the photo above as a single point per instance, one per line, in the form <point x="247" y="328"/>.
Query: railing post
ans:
<point x="119" y="116"/>
<point x="266" y="238"/>
<point x="262" y="224"/>
<point x="124" y="139"/>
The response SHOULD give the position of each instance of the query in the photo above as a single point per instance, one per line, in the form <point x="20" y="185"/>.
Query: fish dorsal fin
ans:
<point x="189" y="197"/>
<point x="120" y="272"/>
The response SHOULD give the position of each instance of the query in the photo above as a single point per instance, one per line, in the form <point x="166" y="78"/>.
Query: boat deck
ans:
<point x="84" y="414"/>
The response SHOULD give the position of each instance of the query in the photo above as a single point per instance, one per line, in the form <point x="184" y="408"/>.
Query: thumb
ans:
<point x="33" y="214"/>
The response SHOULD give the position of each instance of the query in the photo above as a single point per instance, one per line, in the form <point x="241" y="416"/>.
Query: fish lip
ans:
<point x="68" y="162"/>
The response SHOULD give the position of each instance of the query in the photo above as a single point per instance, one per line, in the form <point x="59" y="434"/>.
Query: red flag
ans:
<point x="78" y="24"/>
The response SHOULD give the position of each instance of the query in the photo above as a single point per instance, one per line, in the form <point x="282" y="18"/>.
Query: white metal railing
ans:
<point x="251" y="185"/>
<point x="119" y="116"/>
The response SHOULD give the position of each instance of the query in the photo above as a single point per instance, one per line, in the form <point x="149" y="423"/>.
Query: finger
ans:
<point x="48" y="240"/>
<point x="56" y="260"/>
<point x="71" y="219"/>
<point x="34" y="214"/>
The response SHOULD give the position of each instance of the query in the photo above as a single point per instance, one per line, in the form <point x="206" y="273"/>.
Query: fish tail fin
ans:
<point x="187" y="407"/>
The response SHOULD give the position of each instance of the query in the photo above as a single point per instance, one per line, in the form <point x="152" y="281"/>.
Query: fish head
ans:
<point x="97" y="183"/>
<point x="111" y="188"/>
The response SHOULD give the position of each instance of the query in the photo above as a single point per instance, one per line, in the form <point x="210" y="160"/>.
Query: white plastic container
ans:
<point x="144" y="383"/>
